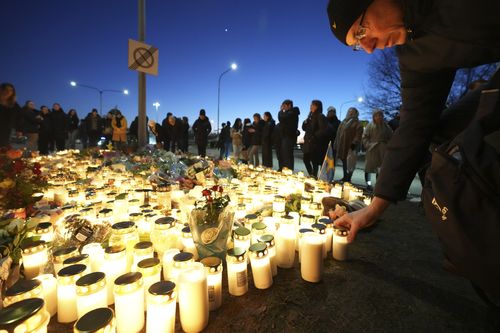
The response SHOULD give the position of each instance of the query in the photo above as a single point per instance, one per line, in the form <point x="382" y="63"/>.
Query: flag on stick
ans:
<point x="328" y="168"/>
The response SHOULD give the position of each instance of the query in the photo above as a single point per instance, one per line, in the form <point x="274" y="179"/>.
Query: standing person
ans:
<point x="94" y="127"/>
<point x="45" y="131"/>
<point x="108" y="128"/>
<point x="73" y="124"/>
<point x="315" y="139"/>
<point x="82" y="133"/>
<point x="289" y="122"/>
<point x="348" y="137"/>
<point x="119" y="125"/>
<point x="334" y="122"/>
<point x="220" y="141"/>
<point x="394" y="122"/>
<point x="236" y="137"/>
<point x="59" y="121"/>
<point x="228" y="142"/>
<point x="9" y="112"/>
<point x="267" y="140"/>
<point x="277" y="145"/>
<point x="375" y="138"/>
<point x="185" y="134"/>
<point x="202" y="129"/>
<point x="156" y="129"/>
<point x="134" y="128"/>
<point x="166" y="132"/>
<point x="256" y="130"/>
<point x="246" y="139"/>
<point x="175" y="128"/>
<point x="30" y="125"/>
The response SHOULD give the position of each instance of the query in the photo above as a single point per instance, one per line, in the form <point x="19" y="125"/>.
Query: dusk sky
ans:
<point x="284" y="49"/>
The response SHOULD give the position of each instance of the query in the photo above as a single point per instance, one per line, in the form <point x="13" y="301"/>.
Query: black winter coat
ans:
<point x="268" y="131"/>
<point x="73" y="123"/>
<point x="30" y="120"/>
<point x="246" y="138"/>
<point x="334" y="126"/>
<point x="59" y="121"/>
<point x="257" y="135"/>
<point x="316" y="137"/>
<point x="447" y="35"/>
<point x="9" y="118"/>
<point x="45" y="125"/>
<point x="202" y="129"/>
<point x="289" y="122"/>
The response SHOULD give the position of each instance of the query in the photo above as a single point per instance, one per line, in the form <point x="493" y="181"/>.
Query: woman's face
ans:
<point x="313" y="108"/>
<point x="56" y="107"/>
<point x="378" y="118"/>
<point x="7" y="96"/>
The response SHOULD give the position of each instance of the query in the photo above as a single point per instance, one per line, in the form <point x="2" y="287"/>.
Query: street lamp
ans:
<point x="100" y="91"/>
<point x="359" y="100"/>
<point x="232" y="68"/>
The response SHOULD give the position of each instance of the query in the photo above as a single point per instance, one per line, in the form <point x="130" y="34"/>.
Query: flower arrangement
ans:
<point x="213" y="202"/>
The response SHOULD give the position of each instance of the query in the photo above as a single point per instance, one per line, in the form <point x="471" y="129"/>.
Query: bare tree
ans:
<point x="384" y="82"/>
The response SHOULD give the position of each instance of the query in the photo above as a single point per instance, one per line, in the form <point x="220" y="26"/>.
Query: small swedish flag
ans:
<point x="328" y="168"/>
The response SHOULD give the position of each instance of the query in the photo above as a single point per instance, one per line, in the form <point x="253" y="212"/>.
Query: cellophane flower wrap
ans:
<point x="211" y="222"/>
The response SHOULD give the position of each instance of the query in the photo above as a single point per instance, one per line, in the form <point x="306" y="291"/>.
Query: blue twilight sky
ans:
<point x="284" y="49"/>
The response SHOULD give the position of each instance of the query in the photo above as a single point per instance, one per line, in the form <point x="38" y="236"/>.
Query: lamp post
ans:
<point x="156" y="105"/>
<point x="100" y="91"/>
<point x="232" y="68"/>
<point x="359" y="100"/>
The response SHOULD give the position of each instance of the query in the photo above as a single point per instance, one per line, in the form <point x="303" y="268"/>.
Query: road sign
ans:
<point x="142" y="57"/>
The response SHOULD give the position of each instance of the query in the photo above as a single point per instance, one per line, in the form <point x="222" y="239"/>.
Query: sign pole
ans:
<point x="142" y="132"/>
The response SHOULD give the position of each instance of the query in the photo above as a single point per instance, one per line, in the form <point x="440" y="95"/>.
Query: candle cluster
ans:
<point x="151" y="260"/>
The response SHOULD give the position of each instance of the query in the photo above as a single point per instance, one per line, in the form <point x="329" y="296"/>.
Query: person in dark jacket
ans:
<point x="185" y="134"/>
<point x="267" y="140"/>
<point x="156" y="130"/>
<point x="31" y="125"/>
<point x="334" y="122"/>
<point x="256" y="130"/>
<point x="175" y="128"/>
<point x="165" y="134"/>
<point x="228" y="141"/>
<point x="315" y="139"/>
<point x="82" y="133"/>
<point x="45" y="131"/>
<point x="134" y="128"/>
<point x="277" y="145"/>
<point x="107" y="131"/>
<point x="94" y="126"/>
<point x="220" y="141"/>
<point x="59" y="121"/>
<point x="246" y="139"/>
<point x="73" y="124"/>
<point x="202" y="129"/>
<point x="289" y="122"/>
<point x="433" y="39"/>
<point x="9" y="112"/>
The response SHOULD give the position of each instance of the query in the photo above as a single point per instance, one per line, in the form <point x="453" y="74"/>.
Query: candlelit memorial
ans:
<point x="139" y="233"/>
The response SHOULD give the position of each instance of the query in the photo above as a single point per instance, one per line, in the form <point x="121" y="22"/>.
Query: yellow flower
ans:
<point x="7" y="183"/>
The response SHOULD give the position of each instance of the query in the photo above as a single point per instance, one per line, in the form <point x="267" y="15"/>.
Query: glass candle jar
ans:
<point x="164" y="235"/>
<point x="62" y="254"/>
<point x="23" y="289"/>
<point x="66" y="292"/>
<point x="96" y="255"/>
<point x="302" y="232"/>
<point x="150" y="269"/>
<point x="339" y="244"/>
<point x="213" y="268"/>
<point x="316" y="210"/>
<point x="270" y="223"/>
<point x="188" y="242"/>
<point x="115" y="264"/>
<point x="320" y="229"/>
<point x="167" y="262"/>
<point x="91" y="293"/>
<point x="129" y="302"/>
<point x="125" y="234"/>
<point x="249" y="220"/>
<point x="78" y="259"/>
<point x="271" y="249"/>
<point x="45" y="231"/>
<point x="241" y="212"/>
<point x="258" y="229"/>
<point x="285" y="242"/>
<point x="311" y="251"/>
<point x="305" y="203"/>
<point x="237" y="277"/>
<point x="241" y="238"/>
<point x="28" y="316"/>
<point x="35" y="258"/>
<point x="161" y="306"/>
<point x="261" y="266"/>
<point x="279" y="204"/>
<point x="306" y="221"/>
<point x="346" y="191"/>
<point x="101" y="320"/>
<point x="180" y="262"/>
<point x="336" y="191"/>
<point x="49" y="290"/>
<point x="142" y="250"/>
<point x="163" y="195"/>
<point x="328" y="223"/>
<point x="193" y="298"/>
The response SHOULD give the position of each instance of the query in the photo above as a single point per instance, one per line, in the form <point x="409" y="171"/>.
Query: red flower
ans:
<point x="18" y="166"/>
<point x="206" y="193"/>
<point x="217" y="188"/>
<point x="14" y="154"/>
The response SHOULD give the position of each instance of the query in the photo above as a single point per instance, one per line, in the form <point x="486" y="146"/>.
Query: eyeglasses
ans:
<point x="360" y="34"/>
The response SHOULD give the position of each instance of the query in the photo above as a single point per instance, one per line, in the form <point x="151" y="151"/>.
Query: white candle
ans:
<point x="270" y="222"/>
<point x="164" y="236"/>
<point x="249" y="220"/>
<point x="261" y="266"/>
<point x="97" y="320"/>
<point x="279" y="204"/>
<point x="311" y="267"/>
<point x="142" y="250"/>
<point x="285" y="243"/>
<point x="161" y="308"/>
<point x="339" y="244"/>
<point x="180" y="262"/>
<point x="150" y="269"/>
<point x="168" y="260"/>
<point x="49" y="289"/>
<point x="336" y="191"/>
<point x="193" y="298"/>
<point x="62" y="254"/>
<point x="302" y="232"/>
<point x="91" y="293"/>
<point x="258" y="229"/>
<point x="23" y="289"/>
<point x="96" y="255"/>
<point x="213" y="268"/>
<point x="271" y="248"/>
<point x="66" y="292"/>
<point x="237" y="277"/>
<point x="45" y="231"/>
<point x="188" y="242"/>
<point x="125" y="234"/>
<point x="115" y="264"/>
<point x="79" y="259"/>
<point x="30" y="315"/>
<point x="129" y="302"/>
<point x="320" y="229"/>
<point x="35" y="258"/>
<point x="329" y="232"/>
<point x="241" y="238"/>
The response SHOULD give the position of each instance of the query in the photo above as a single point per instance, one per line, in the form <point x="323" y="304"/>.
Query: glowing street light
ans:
<point x="100" y="91"/>
<point x="233" y="67"/>
<point x="156" y="105"/>
<point x="359" y="100"/>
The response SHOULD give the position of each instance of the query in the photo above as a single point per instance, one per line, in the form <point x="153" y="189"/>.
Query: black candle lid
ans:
<point x="165" y="220"/>
<point x="325" y="220"/>
<point x="268" y="239"/>
<point x="72" y="270"/>
<point x="143" y="245"/>
<point x="308" y="216"/>
<point x="123" y="225"/>
<point x="149" y="262"/>
<point x="259" y="226"/>
<point x="236" y="252"/>
<point x="21" y="287"/>
<point x="320" y="228"/>
<point x="63" y="251"/>
<point x="128" y="278"/>
<point x="75" y="259"/>
<point x="32" y="244"/>
<point x="258" y="248"/>
<point x="162" y="288"/>
<point x="43" y="225"/>
<point x="90" y="279"/>
<point x="186" y="230"/>
<point x="211" y="262"/>
<point x="16" y="313"/>
<point x="94" y="320"/>
<point x="105" y="211"/>
<point x="183" y="256"/>
<point x="242" y="231"/>
<point x="114" y="249"/>
<point x="304" y="230"/>
<point x="251" y="216"/>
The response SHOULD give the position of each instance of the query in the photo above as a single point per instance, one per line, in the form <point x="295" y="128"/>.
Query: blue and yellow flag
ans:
<point x="328" y="168"/>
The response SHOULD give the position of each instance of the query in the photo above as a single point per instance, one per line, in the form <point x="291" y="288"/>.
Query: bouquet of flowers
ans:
<point x="211" y="222"/>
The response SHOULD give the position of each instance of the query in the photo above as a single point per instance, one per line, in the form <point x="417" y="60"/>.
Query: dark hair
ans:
<point x="12" y="99"/>
<point x="228" y="123"/>
<point x="28" y="102"/>
<point x="257" y="115"/>
<point x="288" y="102"/>
<point x="72" y="110"/>
<point x="185" y="119"/>
<point x="94" y="110"/>
<point x="237" y="124"/>
<point x="319" y="105"/>
<point x="246" y="121"/>
<point x="268" y="114"/>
